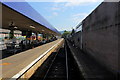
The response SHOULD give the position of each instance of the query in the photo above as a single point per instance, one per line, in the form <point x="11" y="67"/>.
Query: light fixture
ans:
<point x="15" y="27"/>
<point x="43" y="30"/>
<point x="32" y="26"/>
<point x="11" y="23"/>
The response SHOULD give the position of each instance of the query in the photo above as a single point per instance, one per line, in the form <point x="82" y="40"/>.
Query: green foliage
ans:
<point x="65" y="33"/>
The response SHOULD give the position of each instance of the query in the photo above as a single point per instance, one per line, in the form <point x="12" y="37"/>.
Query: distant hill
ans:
<point x="61" y="32"/>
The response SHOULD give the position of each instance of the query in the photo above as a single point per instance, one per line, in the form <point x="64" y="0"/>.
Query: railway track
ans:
<point x="59" y="66"/>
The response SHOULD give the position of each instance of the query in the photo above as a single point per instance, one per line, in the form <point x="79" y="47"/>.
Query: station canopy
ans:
<point x="24" y="17"/>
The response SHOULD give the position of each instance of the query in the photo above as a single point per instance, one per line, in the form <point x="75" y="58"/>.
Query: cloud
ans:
<point x="62" y="5"/>
<point x="77" y="18"/>
<point x="80" y="14"/>
<point x="58" y="7"/>
<point x="55" y="8"/>
<point x="80" y="2"/>
<point x="50" y="17"/>
<point x="55" y="13"/>
<point x="76" y="0"/>
<point x="58" y="0"/>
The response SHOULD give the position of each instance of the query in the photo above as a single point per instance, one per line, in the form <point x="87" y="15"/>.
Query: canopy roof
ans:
<point x="24" y="15"/>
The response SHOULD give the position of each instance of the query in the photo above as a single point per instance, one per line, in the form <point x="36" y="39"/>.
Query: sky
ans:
<point x="65" y="15"/>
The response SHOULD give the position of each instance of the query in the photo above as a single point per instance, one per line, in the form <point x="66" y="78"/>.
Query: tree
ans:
<point x="65" y="33"/>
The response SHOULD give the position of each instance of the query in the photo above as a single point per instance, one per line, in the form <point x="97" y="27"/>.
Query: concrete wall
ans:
<point x="100" y="34"/>
<point x="77" y="39"/>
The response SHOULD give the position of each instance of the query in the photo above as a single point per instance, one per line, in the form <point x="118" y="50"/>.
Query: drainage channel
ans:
<point x="74" y="72"/>
<point x="59" y="66"/>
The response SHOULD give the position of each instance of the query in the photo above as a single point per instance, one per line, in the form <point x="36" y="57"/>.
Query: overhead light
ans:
<point x="11" y="23"/>
<point x="43" y="30"/>
<point x="32" y="26"/>
<point x="15" y="27"/>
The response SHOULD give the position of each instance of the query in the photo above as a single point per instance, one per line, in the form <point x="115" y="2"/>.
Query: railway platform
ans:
<point x="24" y="64"/>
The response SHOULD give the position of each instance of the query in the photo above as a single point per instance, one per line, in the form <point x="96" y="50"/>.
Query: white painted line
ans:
<point x="31" y="64"/>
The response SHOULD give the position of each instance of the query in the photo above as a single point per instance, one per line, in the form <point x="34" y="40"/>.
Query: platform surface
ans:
<point x="14" y="64"/>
